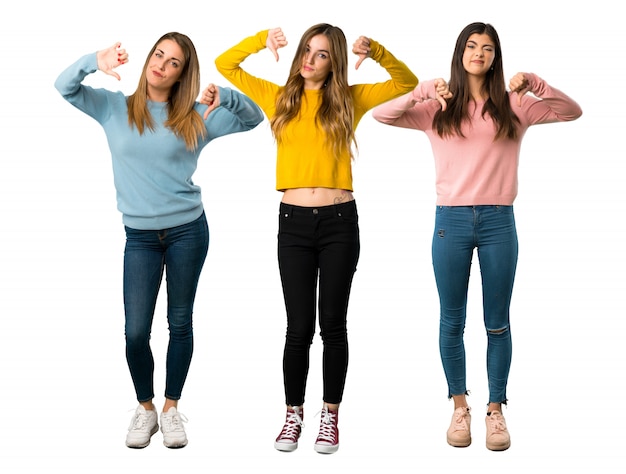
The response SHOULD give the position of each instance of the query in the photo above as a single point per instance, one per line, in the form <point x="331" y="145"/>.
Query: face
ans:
<point x="164" y="67"/>
<point x="479" y="54"/>
<point x="316" y="62"/>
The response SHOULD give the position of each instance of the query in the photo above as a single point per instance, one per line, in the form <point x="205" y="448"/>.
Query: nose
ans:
<point x="308" y="58"/>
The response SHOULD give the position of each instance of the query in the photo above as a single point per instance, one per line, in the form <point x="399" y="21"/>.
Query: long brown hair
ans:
<point x="336" y="112"/>
<point x="181" y="117"/>
<point x="448" y="122"/>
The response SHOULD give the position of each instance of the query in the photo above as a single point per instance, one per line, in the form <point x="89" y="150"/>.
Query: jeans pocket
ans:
<point x="503" y="209"/>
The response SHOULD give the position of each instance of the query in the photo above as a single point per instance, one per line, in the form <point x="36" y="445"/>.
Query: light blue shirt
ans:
<point x="153" y="171"/>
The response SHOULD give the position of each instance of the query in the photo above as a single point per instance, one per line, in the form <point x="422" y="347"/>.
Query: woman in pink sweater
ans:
<point x="475" y="127"/>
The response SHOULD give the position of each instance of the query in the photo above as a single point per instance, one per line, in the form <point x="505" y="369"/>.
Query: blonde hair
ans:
<point x="336" y="112"/>
<point x="181" y="116"/>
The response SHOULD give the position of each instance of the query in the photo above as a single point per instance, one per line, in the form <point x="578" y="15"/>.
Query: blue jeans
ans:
<point x="458" y="231"/>
<point x="318" y="248"/>
<point x="181" y="252"/>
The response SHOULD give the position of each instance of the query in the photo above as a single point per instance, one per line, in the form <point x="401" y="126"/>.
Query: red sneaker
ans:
<point x="287" y="440"/>
<point x="328" y="438"/>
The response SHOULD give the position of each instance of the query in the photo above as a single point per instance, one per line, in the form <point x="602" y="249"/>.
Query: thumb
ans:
<point x="210" y="109"/>
<point x="111" y="72"/>
<point x="443" y="102"/>
<point x="521" y="93"/>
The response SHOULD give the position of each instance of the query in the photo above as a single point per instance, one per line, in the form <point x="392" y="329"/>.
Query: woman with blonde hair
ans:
<point x="313" y="119"/>
<point x="155" y="137"/>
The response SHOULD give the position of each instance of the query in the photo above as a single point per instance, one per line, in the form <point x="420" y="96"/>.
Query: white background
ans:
<point x="65" y="392"/>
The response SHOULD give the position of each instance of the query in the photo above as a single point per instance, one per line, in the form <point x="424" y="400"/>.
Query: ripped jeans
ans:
<point x="458" y="231"/>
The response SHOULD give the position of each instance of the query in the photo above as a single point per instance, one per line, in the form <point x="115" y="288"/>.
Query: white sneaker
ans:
<point x="172" y="427"/>
<point x="142" y="426"/>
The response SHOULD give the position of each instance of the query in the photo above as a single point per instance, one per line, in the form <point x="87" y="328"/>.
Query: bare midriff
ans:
<point x="312" y="197"/>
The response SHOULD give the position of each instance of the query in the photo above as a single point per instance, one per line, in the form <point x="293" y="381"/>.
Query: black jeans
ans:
<point x="317" y="246"/>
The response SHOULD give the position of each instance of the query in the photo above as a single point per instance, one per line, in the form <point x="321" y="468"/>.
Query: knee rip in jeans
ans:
<point x="496" y="332"/>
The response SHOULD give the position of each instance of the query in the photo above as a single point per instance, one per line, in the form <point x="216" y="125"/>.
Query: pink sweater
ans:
<point x="475" y="170"/>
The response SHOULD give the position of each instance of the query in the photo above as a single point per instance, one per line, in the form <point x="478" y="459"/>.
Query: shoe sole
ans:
<point x="326" y="449"/>
<point x="141" y="446"/>
<point x="285" y="447"/>
<point x="457" y="444"/>
<point x="498" y="447"/>
<point x="175" y="446"/>
<point x="137" y="446"/>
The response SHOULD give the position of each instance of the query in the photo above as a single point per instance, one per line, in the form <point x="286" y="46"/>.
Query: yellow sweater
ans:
<point x="303" y="157"/>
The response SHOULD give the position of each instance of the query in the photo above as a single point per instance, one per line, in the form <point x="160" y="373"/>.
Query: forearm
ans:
<point x="368" y="96"/>
<point x="413" y="110"/>
<point x="247" y="112"/>
<point x="68" y="83"/>
<point x="229" y="62"/>
<point x="553" y="106"/>
<point x="565" y="108"/>
<point x="391" y="112"/>
<point x="401" y="76"/>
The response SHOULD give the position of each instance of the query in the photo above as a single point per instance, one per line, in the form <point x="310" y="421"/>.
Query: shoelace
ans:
<point x="460" y="419"/>
<point x="174" y="422"/>
<point x="292" y="426"/>
<point x="138" y="422"/>
<point x="496" y="422"/>
<point x="328" y="427"/>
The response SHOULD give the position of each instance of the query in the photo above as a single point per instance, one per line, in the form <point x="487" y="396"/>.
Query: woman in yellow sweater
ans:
<point x="313" y="118"/>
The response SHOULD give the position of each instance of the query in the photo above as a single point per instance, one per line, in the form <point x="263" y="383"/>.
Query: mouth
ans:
<point x="157" y="74"/>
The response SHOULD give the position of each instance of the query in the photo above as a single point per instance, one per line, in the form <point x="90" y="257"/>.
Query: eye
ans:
<point x="323" y="56"/>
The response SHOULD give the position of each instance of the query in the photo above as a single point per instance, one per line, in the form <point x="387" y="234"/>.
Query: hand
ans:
<point x="443" y="92"/>
<point x="110" y="58"/>
<point x="362" y="49"/>
<point x="519" y="84"/>
<point x="275" y="39"/>
<point x="211" y="97"/>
